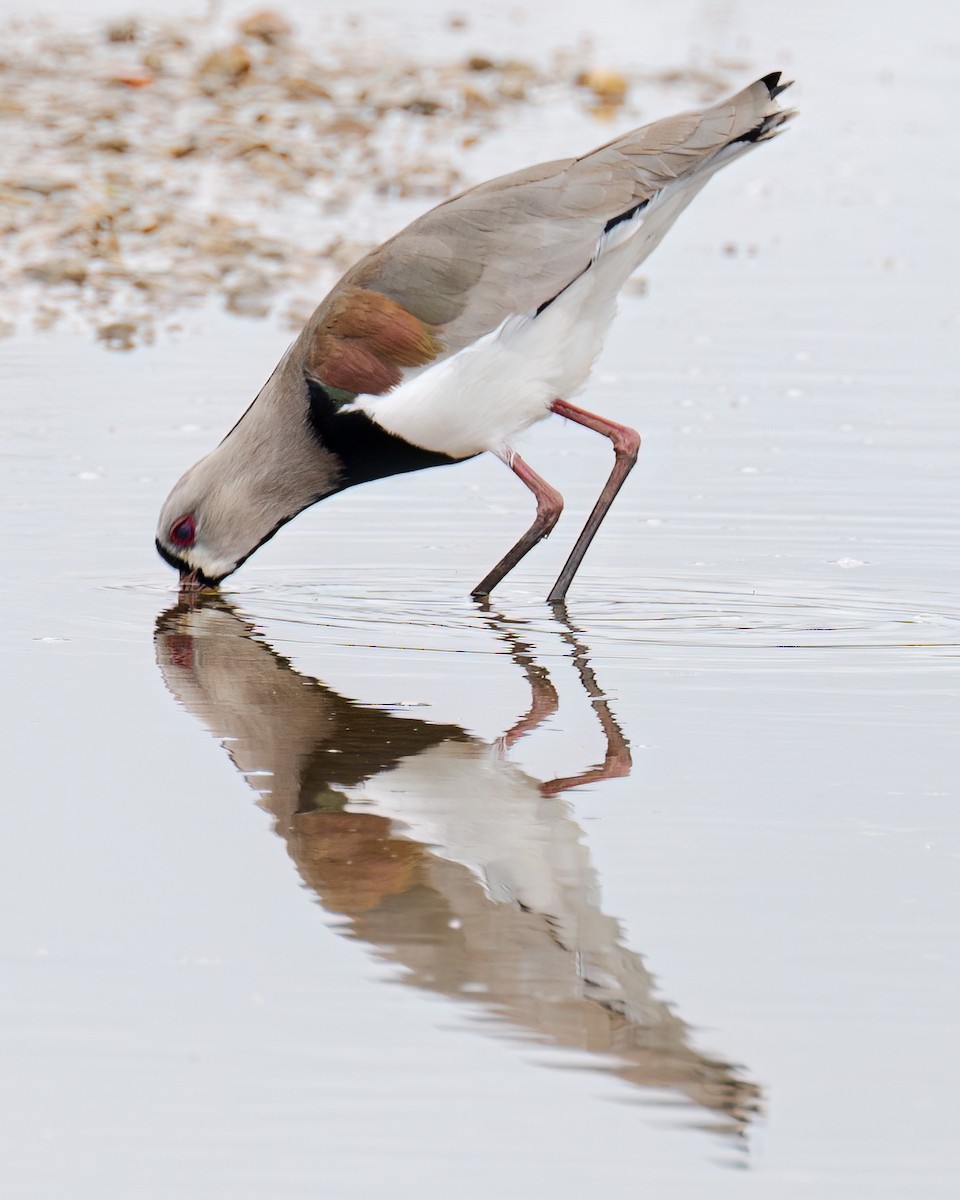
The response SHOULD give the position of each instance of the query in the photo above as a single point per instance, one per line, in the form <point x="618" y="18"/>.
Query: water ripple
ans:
<point x="435" y="614"/>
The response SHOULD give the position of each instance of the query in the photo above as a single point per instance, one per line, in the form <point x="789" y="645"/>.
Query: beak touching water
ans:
<point x="189" y="580"/>
<point x="192" y="583"/>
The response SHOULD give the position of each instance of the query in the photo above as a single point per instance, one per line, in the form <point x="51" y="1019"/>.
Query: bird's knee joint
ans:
<point x="627" y="445"/>
<point x="548" y="513"/>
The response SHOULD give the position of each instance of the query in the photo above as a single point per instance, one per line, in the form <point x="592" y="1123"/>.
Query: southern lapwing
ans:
<point x="481" y="318"/>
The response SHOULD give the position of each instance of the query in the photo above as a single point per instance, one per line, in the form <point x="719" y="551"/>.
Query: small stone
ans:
<point x="267" y="25"/>
<point x="154" y="61"/>
<point x="57" y="270"/>
<point x="224" y="68"/>
<point x="113" y="145"/>
<point x="513" y="85"/>
<point x="345" y="126"/>
<point x="248" y="304"/>
<point x="123" y="30"/>
<point x="248" y="294"/>
<point x="183" y="149"/>
<point x="147" y="222"/>
<point x="46" y="316"/>
<point x="424" y="106"/>
<point x="609" y="87"/>
<point x="118" y="335"/>
<point x="301" y="88"/>
<point x="40" y="185"/>
<point x="475" y="101"/>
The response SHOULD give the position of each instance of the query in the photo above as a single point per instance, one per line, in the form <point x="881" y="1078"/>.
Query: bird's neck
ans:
<point x="274" y="450"/>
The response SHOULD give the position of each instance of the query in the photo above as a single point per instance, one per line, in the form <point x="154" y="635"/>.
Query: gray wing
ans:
<point x="514" y="243"/>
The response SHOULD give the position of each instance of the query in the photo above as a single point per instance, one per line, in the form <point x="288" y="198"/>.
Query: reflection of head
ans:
<point x="447" y="858"/>
<point x="300" y="744"/>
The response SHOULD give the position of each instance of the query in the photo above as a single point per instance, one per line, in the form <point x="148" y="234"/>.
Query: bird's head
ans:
<point x="301" y="439"/>
<point x="214" y="519"/>
<point x="227" y="505"/>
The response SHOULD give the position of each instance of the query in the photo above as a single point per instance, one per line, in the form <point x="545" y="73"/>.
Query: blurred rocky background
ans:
<point x="147" y="166"/>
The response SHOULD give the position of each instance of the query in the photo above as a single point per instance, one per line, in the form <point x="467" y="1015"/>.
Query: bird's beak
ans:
<point x="194" y="583"/>
<point x="193" y="587"/>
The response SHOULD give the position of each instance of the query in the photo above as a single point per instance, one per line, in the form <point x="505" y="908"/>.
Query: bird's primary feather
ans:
<point x="510" y="245"/>
<point x="550" y="327"/>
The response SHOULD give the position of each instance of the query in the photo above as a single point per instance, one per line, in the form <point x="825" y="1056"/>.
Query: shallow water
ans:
<point x="669" y="880"/>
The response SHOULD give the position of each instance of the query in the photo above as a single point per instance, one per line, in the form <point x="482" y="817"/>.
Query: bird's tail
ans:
<point x="671" y="160"/>
<point x="694" y="143"/>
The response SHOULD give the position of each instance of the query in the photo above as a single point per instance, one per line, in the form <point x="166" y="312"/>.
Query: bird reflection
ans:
<point x="445" y="857"/>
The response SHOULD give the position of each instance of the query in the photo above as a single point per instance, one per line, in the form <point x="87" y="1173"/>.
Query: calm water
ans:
<point x="347" y="885"/>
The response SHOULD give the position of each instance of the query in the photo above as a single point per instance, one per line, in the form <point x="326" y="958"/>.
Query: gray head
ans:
<point x="293" y="446"/>
<point x="216" y="517"/>
<point x="270" y="467"/>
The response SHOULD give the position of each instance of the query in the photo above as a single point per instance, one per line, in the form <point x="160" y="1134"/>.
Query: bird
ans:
<point x="479" y="319"/>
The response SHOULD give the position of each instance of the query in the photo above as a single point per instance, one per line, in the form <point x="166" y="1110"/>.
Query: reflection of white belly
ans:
<point x="469" y="805"/>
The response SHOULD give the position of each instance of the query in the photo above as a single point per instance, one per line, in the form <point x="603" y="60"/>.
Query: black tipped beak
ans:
<point x="192" y="580"/>
<point x="195" y="583"/>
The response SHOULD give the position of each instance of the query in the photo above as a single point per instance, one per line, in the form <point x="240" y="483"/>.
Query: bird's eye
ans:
<point x="184" y="532"/>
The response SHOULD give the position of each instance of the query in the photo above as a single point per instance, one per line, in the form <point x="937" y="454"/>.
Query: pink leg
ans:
<point x="626" y="444"/>
<point x="549" y="508"/>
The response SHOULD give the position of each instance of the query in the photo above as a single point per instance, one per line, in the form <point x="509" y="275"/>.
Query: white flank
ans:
<point x="483" y="396"/>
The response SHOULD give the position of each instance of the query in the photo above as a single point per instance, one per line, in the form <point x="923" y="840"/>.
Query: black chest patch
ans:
<point x="366" y="451"/>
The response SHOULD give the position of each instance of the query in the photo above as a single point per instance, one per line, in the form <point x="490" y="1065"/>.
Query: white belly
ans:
<point x="483" y="396"/>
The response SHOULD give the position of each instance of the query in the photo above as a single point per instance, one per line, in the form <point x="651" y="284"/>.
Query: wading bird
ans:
<point x="476" y="321"/>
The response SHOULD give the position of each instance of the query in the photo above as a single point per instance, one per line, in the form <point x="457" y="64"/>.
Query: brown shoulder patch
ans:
<point x="362" y="340"/>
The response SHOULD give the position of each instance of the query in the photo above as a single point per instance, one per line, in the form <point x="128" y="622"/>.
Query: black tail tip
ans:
<point x="774" y="86"/>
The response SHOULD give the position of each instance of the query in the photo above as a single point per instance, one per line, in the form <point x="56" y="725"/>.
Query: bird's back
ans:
<point x="511" y="245"/>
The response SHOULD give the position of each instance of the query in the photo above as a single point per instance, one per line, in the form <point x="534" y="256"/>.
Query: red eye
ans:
<point x="184" y="533"/>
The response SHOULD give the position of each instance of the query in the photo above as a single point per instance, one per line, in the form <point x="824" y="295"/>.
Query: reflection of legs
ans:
<point x="617" y="762"/>
<point x="626" y="444"/>
<point x="544" y="700"/>
<point x="549" y="508"/>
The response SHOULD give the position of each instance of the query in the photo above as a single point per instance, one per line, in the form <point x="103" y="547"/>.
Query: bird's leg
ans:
<point x="549" y="508"/>
<point x="626" y="444"/>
